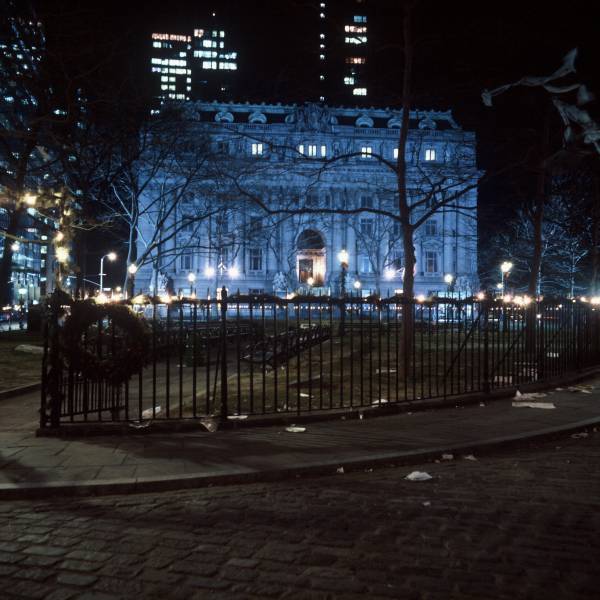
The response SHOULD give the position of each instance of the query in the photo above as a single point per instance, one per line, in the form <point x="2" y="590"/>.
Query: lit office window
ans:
<point x="301" y="148"/>
<point x="312" y="150"/>
<point x="257" y="149"/>
<point x="356" y="60"/>
<point x="366" y="152"/>
<point x="348" y="80"/>
<point x="323" y="151"/>
<point x="360" y="19"/>
<point x="395" y="152"/>
<point x="359" y="91"/>
<point x="357" y="39"/>
<point x="429" y="154"/>
<point x="355" y="29"/>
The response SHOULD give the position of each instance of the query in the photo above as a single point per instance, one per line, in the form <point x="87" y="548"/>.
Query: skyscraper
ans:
<point x="343" y="51"/>
<point x="194" y="65"/>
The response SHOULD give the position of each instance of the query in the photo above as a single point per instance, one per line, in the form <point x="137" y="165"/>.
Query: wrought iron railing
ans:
<point x="242" y="356"/>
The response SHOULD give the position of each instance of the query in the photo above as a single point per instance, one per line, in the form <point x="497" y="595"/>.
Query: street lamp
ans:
<point x="505" y="268"/>
<point x="112" y="256"/>
<point x="449" y="280"/>
<point x="191" y="278"/>
<point x="132" y="268"/>
<point x="343" y="258"/>
<point x="233" y="272"/>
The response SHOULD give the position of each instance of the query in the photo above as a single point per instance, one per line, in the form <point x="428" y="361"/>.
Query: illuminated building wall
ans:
<point x="282" y="155"/>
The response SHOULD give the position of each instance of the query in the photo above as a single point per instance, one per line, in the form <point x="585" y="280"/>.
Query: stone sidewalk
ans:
<point x="33" y="466"/>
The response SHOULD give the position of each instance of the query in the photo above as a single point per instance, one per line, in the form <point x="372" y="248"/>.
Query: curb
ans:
<point x="19" y="391"/>
<point x="242" y="475"/>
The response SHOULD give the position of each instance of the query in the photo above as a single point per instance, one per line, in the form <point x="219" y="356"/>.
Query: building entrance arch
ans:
<point x="311" y="258"/>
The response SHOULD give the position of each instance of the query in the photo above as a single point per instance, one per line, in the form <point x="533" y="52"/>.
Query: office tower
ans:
<point x="343" y="51"/>
<point x="192" y="66"/>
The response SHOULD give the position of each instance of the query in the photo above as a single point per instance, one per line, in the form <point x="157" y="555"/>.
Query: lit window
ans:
<point x="322" y="36"/>
<point x="221" y="34"/>
<point x="321" y="57"/>
<point x="323" y="151"/>
<point x="355" y="29"/>
<point x="322" y="15"/>
<point x="257" y="149"/>
<point x="321" y="77"/>
<point x="356" y="60"/>
<point x="312" y="150"/>
<point x="366" y="152"/>
<point x="322" y="98"/>
<point x="357" y="39"/>
<point x="429" y="154"/>
<point x="322" y="46"/>
<point x="208" y="64"/>
<point x="360" y="19"/>
<point x="395" y="152"/>
<point x="431" y="262"/>
<point x="198" y="32"/>
<point x="359" y="91"/>
<point x="349" y="80"/>
<point x="301" y="148"/>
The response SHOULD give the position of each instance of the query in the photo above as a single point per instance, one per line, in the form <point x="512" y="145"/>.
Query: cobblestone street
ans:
<point x="518" y="524"/>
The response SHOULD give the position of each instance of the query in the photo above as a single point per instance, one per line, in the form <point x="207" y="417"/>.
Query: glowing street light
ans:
<point x="505" y="269"/>
<point x="132" y="269"/>
<point x="310" y="281"/>
<point x="234" y="272"/>
<point x="62" y="254"/>
<point x="15" y="246"/>
<point x="209" y="271"/>
<point x="357" y="284"/>
<point x="29" y="199"/>
<point x="112" y="256"/>
<point x="191" y="278"/>
<point x="389" y="273"/>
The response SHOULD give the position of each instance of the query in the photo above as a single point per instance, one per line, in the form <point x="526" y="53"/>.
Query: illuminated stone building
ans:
<point x="327" y="178"/>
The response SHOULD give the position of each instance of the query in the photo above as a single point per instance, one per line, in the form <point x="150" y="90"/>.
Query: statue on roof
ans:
<point x="310" y="117"/>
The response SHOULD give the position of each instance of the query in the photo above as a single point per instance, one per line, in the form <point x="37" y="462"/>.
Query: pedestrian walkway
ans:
<point x="36" y="466"/>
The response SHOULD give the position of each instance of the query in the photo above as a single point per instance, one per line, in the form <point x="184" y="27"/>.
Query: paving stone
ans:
<point x="10" y="558"/>
<point x="34" y="574"/>
<point x="79" y="565"/>
<point x="243" y="563"/>
<point x="78" y="579"/>
<point x="206" y="583"/>
<point x="61" y="594"/>
<point x="45" y="550"/>
<point x="89" y="555"/>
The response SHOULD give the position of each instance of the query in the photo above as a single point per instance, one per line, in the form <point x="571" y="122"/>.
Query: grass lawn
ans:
<point x="19" y="368"/>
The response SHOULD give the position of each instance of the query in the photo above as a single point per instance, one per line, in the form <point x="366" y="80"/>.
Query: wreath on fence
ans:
<point x="125" y="342"/>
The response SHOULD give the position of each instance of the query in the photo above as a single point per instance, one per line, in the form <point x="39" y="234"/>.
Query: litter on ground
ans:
<point x="139" y="424"/>
<point x="583" y="434"/>
<point x="447" y="456"/>
<point x="295" y="429"/>
<point x="469" y="457"/>
<point x="546" y="405"/>
<point x="427" y="503"/>
<point x="340" y="470"/>
<point x="209" y="424"/>
<point x="529" y="396"/>
<point x="149" y="413"/>
<point x="418" y="476"/>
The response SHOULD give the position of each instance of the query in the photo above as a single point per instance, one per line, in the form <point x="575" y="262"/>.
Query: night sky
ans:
<point x="461" y="48"/>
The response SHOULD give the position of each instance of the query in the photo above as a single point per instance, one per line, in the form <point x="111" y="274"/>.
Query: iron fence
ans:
<point x="240" y="356"/>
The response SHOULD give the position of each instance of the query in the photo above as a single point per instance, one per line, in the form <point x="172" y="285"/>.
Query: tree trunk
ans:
<point x="6" y="295"/>
<point x="595" y="237"/>
<point x="408" y="283"/>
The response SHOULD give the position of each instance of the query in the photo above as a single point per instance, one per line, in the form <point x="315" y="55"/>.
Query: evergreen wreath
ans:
<point x="126" y="342"/>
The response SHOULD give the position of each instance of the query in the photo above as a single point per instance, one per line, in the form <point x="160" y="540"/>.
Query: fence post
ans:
<point x="53" y="377"/>
<point x="224" y="399"/>
<point x="485" y="304"/>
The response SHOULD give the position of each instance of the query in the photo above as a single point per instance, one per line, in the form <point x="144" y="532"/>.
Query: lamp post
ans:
<point x="505" y="268"/>
<point x="449" y="280"/>
<point x="112" y="256"/>
<point x="343" y="258"/>
<point x="191" y="278"/>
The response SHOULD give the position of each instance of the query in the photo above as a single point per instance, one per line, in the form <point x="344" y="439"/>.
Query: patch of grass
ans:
<point x="19" y="368"/>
